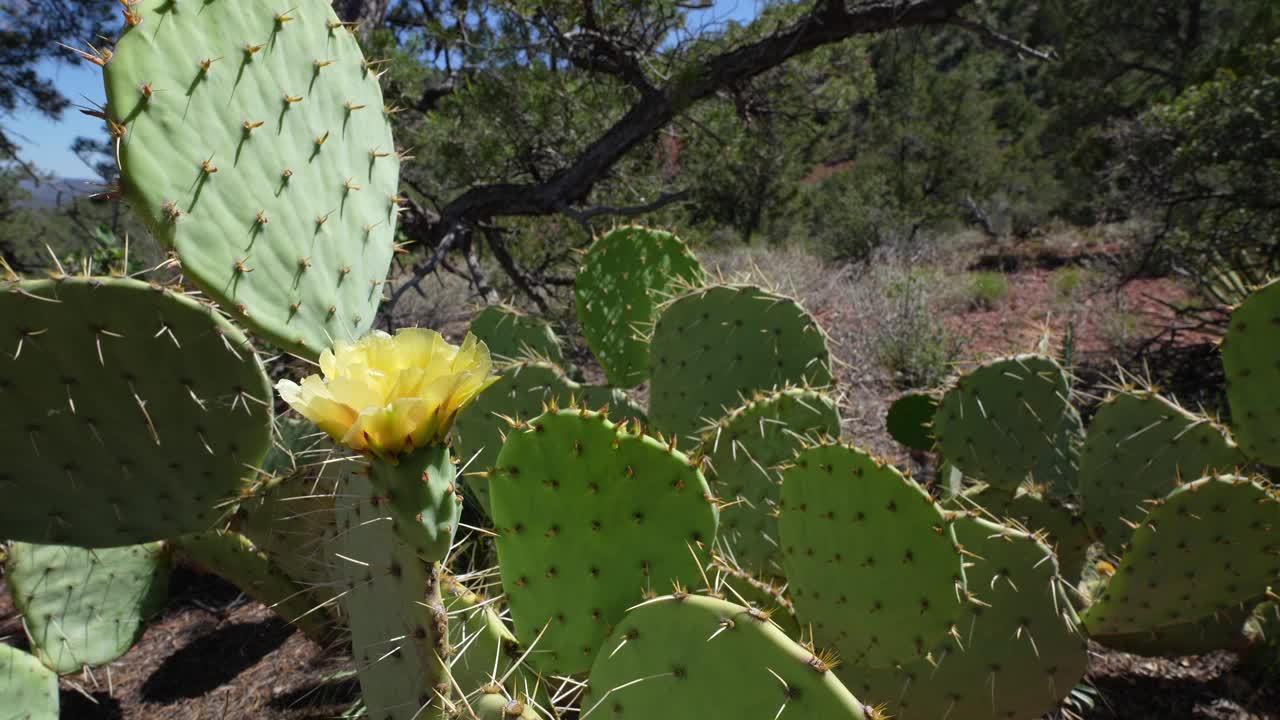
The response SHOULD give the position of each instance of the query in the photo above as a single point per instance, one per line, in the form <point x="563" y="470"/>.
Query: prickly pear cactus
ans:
<point x="744" y="450"/>
<point x="1016" y="656"/>
<point x="999" y="422"/>
<point x="769" y="596"/>
<point x="1141" y="446"/>
<point x="254" y="142"/>
<point x="714" y="347"/>
<point x="872" y="561"/>
<point x="483" y="652"/>
<point x="590" y="518"/>
<point x="625" y="276"/>
<point x="688" y="657"/>
<point x="288" y="521"/>
<point x="522" y="392"/>
<point x="1052" y="521"/>
<point x="143" y="405"/>
<point x="85" y="608"/>
<point x="1251" y="358"/>
<point x="1206" y="546"/>
<point x="910" y="420"/>
<point x="392" y="602"/>
<point x="1227" y="629"/>
<point x="28" y="690"/>
<point x="231" y="556"/>
<point x="512" y="335"/>
<point x="493" y="704"/>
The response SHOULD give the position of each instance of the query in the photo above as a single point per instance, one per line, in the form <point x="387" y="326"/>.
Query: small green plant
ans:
<point x="1069" y="281"/>
<point x="986" y="289"/>
<point x="911" y="343"/>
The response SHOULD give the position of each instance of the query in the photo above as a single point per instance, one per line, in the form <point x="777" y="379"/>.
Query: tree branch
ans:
<point x="991" y="38"/>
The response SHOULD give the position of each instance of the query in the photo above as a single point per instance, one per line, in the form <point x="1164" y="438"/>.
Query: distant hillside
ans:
<point x="51" y="193"/>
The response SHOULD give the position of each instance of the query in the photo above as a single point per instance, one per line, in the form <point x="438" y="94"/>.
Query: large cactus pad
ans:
<point x="625" y="276"/>
<point x="255" y="144"/>
<point x="28" y="690"/>
<point x="1251" y="358"/>
<point x="745" y="449"/>
<point x="871" y="559"/>
<point x="1016" y="657"/>
<point x="715" y="347"/>
<point x="1140" y="447"/>
<point x="1207" y="546"/>
<point x="910" y="420"/>
<point x="85" y="607"/>
<point x="1002" y="420"/>
<point x="523" y="391"/>
<point x="512" y="335"/>
<point x="590" y="519"/>
<point x="131" y="412"/>
<point x="686" y="657"/>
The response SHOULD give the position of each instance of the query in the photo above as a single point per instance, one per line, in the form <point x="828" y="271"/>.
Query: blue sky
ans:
<point x="47" y="142"/>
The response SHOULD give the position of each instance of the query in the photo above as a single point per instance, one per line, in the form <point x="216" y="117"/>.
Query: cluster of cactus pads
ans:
<point x="720" y="553"/>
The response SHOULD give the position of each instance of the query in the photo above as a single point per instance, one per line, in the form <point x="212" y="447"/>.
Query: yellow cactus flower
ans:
<point x="387" y="395"/>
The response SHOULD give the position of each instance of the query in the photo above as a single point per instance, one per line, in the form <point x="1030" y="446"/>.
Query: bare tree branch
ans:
<point x="996" y="40"/>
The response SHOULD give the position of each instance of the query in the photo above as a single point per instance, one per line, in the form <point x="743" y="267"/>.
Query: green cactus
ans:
<point x="1205" y="547"/>
<point x="910" y="420"/>
<point x="231" y="556"/>
<point x="1009" y="421"/>
<point x="28" y="689"/>
<point x="492" y="704"/>
<point x="686" y="657"/>
<point x="288" y="521"/>
<point x="1141" y="446"/>
<point x="512" y="335"/>
<point x="625" y="276"/>
<point x="1015" y="656"/>
<point x="81" y="607"/>
<point x="716" y="346"/>
<point x="1053" y="522"/>
<point x="483" y="652"/>
<point x="1226" y="629"/>
<point x="743" y="450"/>
<point x="741" y="586"/>
<point x="872" y="561"/>
<point x="1251" y="358"/>
<point x="253" y="141"/>
<point x="393" y="603"/>
<point x="143" y="405"/>
<point x="589" y="518"/>
<point x="523" y="391"/>
<point x="421" y="496"/>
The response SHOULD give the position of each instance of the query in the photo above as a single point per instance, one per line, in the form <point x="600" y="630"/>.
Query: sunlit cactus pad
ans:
<point x="523" y="390"/>
<point x="872" y="561"/>
<point x="688" y="657"/>
<point x="512" y="335"/>
<point x="1011" y="658"/>
<point x="590" y="518"/>
<point x="1140" y="447"/>
<point x="744" y="450"/>
<point x="715" y="347"/>
<point x="910" y="420"/>
<point x="625" y="276"/>
<point x="1251" y="358"/>
<point x="382" y="587"/>
<point x="256" y="145"/>
<point x="144" y="406"/>
<point x="999" y="422"/>
<point x="28" y="690"/>
<point x="81" y="607"/>
<point x="1208" y="546"/>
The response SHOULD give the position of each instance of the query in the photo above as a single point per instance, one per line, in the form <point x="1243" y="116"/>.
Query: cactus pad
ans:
<point x="386" y="594"/>
<point x="483" y="650"/>
<point x="512" y="335"/>
<point x="1140" y="447"/>
<point x="1000" y="421"/>
<point x="744" y="450"/>
<point x="1251" y="358"/>
<point x="255" y="144"/>
<point x="1207" y="546"/>
<point x="872" y="562"/>
<point x="144" y="406"/>
<point x="714" y="347"/>
<point x="686" y="657"/>
<point x="590" y="518"/>
<point x="1016" y="658"/>
<point x="523" y="391"/>
<point x="625" y="276"/>
<point x="289" y="519"/>
<point x="1052" y="521"/>
<point x="85" y="607"/>
<point x="910" y="420"/>
<point x="28" y="690"/>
